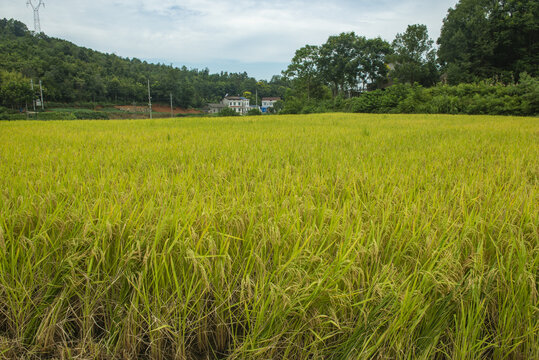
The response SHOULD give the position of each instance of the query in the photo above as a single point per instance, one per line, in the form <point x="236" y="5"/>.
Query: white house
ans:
<point x="241" y="105"/>
<point x="237" y="103"/>
<point x="267" y="103"/>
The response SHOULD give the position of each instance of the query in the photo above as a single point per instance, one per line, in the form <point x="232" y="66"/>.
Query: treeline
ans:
<point x="490" y="44"/>
<point x="348" y="64"/>
<point x="482" y="98"/>
<point x="73" y="74"/>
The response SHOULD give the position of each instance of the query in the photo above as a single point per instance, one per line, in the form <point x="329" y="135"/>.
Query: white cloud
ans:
<point x="213" y="32"/>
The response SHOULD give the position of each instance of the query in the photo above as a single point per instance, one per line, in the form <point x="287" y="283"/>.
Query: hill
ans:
<point x="72" y="73"/>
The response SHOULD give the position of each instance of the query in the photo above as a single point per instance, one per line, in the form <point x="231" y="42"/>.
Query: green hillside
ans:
<point x="71" y="73"/>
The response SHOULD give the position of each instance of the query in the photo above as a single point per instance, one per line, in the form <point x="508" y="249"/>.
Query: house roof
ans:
<point x="271" y="98"/>
<point x="235" y="98"/>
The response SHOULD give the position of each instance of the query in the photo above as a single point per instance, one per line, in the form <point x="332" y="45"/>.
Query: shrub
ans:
<point x="228" y="112"/>
<point x="479" y="98"/>
<point x="277" y="107"/>
<point x="254" y="112"/>
<point x="293" y="105"/>
<point x="53" y="115"/>
<point x="528" y="89"/>
<point x="90" y="115"/>
<point x="7" y="116"/>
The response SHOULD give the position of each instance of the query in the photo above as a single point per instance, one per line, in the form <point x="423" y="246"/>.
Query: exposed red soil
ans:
<point x="158" y="108"/>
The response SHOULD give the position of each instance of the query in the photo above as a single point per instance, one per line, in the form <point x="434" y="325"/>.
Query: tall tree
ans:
<point x="372" y="60"/>
<point x="414" y="57"/>
<point x="344" y="62"/>
<point x="303" y="70"/>
<point x="336" y="61"/>
<point x="490" y="38"/>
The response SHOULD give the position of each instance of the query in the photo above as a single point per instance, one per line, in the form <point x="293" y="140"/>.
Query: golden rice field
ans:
<point x="331" y="236"/>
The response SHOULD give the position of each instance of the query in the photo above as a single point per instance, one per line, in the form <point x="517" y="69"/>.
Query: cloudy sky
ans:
<point x="259" y="37"/>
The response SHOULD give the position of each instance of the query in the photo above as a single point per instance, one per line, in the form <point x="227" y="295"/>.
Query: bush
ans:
<point x="228" y="112"/>
<point x="90" y="115"/>
<point x="254" y="112"/>
<point x="293" y="105"/>
<point x="480" y="98"/>
<point x="53" y="115"/>
<point x="57" y="115"/>
<point x="277" y="107"/>
<point x="528" y="89"/>
<point x="90" y="105"/>
<point x="365" y="103"/>
<point x="7" y="116"/>
<point x="416" y="102"/>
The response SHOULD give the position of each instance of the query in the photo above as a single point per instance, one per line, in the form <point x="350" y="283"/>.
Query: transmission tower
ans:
<point x="37" y="24"/>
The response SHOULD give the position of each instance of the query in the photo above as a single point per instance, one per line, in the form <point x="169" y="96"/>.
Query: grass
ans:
<point x="329" y="236"/>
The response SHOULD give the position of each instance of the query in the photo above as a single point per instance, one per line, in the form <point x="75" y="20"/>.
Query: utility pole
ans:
<point x="41" y="92"/>
<point x="150" y="99"/>
<point x="257" y="83"/>
<point x="171" y="111"/>
<point x="33" y="94"/>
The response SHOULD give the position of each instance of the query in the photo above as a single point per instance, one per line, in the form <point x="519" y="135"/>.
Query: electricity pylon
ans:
<point x="37" y="24"/>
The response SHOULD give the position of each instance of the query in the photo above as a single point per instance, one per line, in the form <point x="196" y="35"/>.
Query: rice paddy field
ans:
<point x="331" y="236"/>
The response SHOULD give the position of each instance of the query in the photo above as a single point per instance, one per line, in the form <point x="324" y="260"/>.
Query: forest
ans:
<point x="71" y="73"/>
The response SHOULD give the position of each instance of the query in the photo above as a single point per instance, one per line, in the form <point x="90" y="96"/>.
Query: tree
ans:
<point x="348" y="62"/>
<point x="14" y="27"/>
<point x="371" y="58"/>
<point x="303" y="70"/>
<point x="345" y="63"/>
<point x="490" y="38"/>
<point x="414" y="57"/>
<point x="336" y="62"/>
<point x="15" y="89"/>
<point x="277" y="107"/>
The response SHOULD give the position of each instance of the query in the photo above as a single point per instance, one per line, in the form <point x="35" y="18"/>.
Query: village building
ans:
<point x="238" y="103"/>
<point x="214" y="108"/>
<point x="268" y="103"/>
<point x="241" y="105"/>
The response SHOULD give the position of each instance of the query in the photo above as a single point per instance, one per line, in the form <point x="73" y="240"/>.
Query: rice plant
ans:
<point x="332" y="236"/>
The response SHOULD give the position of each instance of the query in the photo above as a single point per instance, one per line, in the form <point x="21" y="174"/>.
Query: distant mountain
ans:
<point x="71" y="73"/>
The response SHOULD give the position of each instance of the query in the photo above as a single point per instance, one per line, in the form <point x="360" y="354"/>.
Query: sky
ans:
<point x="259" y="37"/>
